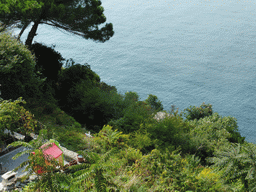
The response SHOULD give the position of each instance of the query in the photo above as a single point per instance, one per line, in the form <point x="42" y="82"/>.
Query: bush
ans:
<point x="154" y="103"/>
<point x="85" y="105"/>
<point x="141" y="140"/>
<point x="170" y="132"/>
<point x="16" y="118"/>
<point x="197" y="112"/>
<point x="168" y="171"/>
<point x="48" y="61"/>
<point x="17" y="66"/>
<point x="107" y="88"/>
<point x="111" y="107"/>
<point x="130" y="154"/>
<point x="77" y="73"/>
<point x="237" y="163"/>
<point x="108" y="139"/>
<point x="211" y="133"/>
<point x="72" y="77"/>
<point x="134" y="115"/>
<point x="48" y="109"/>
<point x="88" y="103"/>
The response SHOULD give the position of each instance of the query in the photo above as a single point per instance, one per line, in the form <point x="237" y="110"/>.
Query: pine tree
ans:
<point x="79" y="17"/>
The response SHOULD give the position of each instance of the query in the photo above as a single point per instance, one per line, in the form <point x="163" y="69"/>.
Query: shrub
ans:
<point x="130" y="154"/>
<point x="131" y="96"/>
<point x="154" y="103"/>
<point x="134" y="113"/>
<point x="211" y="133"/>
<point x="75" y="74"/>
<point x="112" y="105"/>
<point x="169" y="132"/>
<point x="107" y="88"/>
<point x="78" y="94"/>
<point x="237" y="162"/>
<point x="48" y="109"/>
<point x="89" y="105"/>
<point x="141" y="140"/>
<point x="84" y="103"/>
<point x="198" y="112"/>
<point x="168" y="171"/>
<point x="48" y="61"/>
<point x="108" y="138"/>
<point x="16" y="118"/>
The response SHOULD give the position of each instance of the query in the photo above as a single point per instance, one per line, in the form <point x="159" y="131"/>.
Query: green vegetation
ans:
<point x="76" y="17"/>
<point x="17" y="70"/>
<point x="44" y="67"/>
<point x="130" y="150"/>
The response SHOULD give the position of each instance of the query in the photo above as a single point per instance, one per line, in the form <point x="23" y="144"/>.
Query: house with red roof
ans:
<point x="50" y="150"/>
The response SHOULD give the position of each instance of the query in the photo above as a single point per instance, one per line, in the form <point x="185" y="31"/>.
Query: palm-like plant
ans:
<point x="237" y="162"/>
<point x="96" y="169"/>
<point x="31" y="147"/>
<point x="81" y="175"/>
<point x="53" y="181"/>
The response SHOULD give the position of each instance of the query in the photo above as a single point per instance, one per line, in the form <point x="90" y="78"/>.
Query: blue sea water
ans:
<point x="184" y="52"/>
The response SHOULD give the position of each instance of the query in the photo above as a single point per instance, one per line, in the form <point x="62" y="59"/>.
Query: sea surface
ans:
<point x="184" y="52"/>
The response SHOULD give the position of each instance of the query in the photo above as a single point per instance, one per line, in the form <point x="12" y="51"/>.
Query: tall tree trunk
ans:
<point x="22" y="30"/>
<point x="32" y="33"/>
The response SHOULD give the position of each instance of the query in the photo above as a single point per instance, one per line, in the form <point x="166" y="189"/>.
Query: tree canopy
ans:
<point x="80" y="17"/>
<point x="17" y="66"/>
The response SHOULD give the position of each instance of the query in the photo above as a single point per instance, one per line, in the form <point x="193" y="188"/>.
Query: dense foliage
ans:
<point x="17" y="66"/>
<point x="81" y="94"/>
<point x="16" y="118"/>
<point x="48" y="61"/>
<point x="154" y="103"/>
<point x="194" y="112"/>
<point x="78" y="17"/>
<point x="130" y="149"/>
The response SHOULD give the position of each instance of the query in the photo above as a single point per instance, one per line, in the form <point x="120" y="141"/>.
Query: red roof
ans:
<point x="53" y="150"/>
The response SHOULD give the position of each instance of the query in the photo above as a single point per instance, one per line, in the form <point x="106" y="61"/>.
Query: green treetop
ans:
<point x="80" y="17"/>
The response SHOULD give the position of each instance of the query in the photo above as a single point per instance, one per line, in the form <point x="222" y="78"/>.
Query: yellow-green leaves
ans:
<point x="18" y="8"/>
<point x="4" y="7"/>
<point x="15" y="117"/>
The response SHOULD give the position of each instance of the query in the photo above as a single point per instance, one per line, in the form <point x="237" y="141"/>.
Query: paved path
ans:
<point x="10" y="164"/>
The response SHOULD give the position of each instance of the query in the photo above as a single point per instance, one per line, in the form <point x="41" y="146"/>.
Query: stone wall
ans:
<point x="69" y="155"/>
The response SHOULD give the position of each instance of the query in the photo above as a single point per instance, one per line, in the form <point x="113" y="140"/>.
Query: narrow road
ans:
<point x="10" y="164"/>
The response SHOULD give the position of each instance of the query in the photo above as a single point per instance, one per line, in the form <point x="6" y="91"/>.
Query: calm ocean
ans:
<point x="184" y="52"/>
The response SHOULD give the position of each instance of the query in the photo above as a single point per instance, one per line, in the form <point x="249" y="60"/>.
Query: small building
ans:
<point x="8" y="181"/>
<point x="53" y="151"/>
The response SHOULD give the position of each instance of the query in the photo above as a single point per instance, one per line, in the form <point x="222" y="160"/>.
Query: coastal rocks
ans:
<point x="161" y="115"/>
